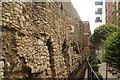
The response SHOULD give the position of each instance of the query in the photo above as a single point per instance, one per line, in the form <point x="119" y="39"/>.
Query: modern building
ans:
<point x="99" y="12"/>
<point x="113" y="12"/>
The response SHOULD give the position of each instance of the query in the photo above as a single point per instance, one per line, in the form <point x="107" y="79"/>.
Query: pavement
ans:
<point x="102" y="70"/>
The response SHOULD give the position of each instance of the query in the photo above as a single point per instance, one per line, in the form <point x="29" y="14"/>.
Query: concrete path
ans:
<point x="102" y="70"/>
<point x="86" y="75"/>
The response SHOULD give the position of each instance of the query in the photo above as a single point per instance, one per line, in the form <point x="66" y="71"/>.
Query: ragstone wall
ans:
<point x="41" y="39"/>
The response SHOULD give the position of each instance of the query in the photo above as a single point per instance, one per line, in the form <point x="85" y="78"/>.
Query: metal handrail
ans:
<point x="93" y="70"/>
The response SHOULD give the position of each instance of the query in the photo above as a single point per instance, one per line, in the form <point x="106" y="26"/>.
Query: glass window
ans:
<point x="98" y="19"/>
<point x="98" y="3"/>
<point x="98" y="11"/>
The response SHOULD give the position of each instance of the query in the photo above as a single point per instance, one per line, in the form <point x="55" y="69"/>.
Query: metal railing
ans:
<point x="91" y="73"/>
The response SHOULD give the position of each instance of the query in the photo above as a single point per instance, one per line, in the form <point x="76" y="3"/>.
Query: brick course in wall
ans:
<point x="41" y="39"/>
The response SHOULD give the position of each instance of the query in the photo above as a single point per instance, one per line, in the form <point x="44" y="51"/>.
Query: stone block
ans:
<point x="7" y="20"/>
<point x="1" y="73"/>
<point x="1" y="70"/>
<point x="42" y="68"/>
<point x="7" y="14"/>
<point x="1" y="77"/>
<point x="16" y="9"/>
<point x="1" y="64"/>
<point x="22" y="18"/>
<point x="0" y="22"/>
<point x="49" y="71"/>
<point x="0" y="4"/>
<point x="40" y="42"/>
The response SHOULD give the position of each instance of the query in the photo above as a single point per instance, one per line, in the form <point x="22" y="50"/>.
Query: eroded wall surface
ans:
<point x="41" y="39"/>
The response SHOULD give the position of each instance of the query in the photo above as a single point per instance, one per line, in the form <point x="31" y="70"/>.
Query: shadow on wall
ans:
<point x="65" y="49"/>
<point x="52" y="63"/>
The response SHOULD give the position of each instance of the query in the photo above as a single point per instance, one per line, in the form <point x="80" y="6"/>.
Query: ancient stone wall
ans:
<point x="41" y="39"/>
<point x="86" y="36"/>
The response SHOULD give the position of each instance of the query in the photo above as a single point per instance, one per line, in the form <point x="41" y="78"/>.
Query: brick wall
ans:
<point x="110" y="13"/>
<point x="41" y="40"/>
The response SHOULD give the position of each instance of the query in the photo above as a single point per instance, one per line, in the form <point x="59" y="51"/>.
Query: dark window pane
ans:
<point x="98" y="3"/>
<point x="99" y="11"/>
<point x="98" y="19"/>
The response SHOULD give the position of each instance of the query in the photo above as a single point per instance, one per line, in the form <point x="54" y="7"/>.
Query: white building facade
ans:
<point x="99" y="12"/>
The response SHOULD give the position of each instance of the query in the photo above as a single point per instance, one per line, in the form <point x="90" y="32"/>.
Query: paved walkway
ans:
<point x="86" y="75"/>
<point x="102" y="70"/>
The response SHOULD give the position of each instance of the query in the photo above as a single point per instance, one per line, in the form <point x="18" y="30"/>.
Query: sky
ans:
<point x="86" y="11"/>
